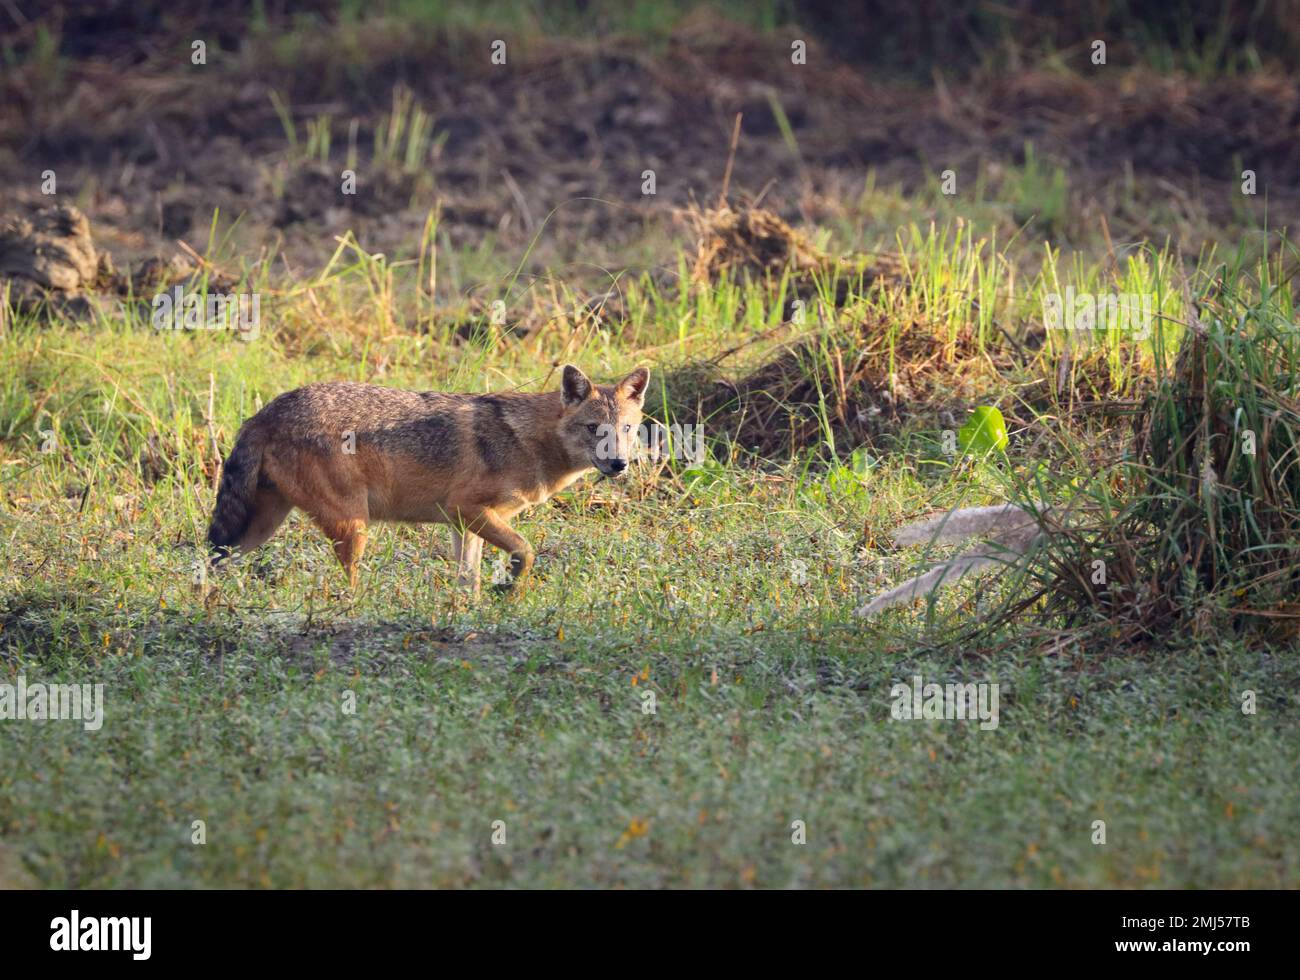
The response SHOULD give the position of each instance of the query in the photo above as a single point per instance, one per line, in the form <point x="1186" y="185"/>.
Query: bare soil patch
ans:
<point x="558" y="141"/>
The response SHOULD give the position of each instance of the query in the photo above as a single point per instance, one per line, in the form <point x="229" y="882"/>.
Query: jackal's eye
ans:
<point x="627" y="428"/>
<point x="593" y="428"/>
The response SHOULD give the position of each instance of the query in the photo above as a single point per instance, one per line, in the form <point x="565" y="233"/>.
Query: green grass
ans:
<point x="727" y="592"/>
<point x="773" y="706"/>
<point x="549" y="736"/>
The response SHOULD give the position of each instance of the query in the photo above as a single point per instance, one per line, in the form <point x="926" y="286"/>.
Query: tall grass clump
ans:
<point x="1221" y="452"/>
<point x="1197" y="530"/>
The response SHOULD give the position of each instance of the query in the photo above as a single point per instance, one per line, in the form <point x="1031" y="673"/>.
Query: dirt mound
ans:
<point x="49" y="255"/>
<point x="753" y="241"/>
<point x="855" y="385"/>
<point x="750" y="239"/>
<point x="50" y="265"/>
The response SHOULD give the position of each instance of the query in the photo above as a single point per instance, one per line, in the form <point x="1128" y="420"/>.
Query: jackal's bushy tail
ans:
<point x="1017" y="530"/>
<point x="234" y="509"/>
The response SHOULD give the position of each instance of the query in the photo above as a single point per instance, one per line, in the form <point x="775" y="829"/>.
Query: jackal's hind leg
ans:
<point x="467" y="552"/>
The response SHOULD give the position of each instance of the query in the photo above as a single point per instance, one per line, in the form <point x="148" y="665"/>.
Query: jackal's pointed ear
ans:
<point x="634" y="385"/>
<point x="575" y="386"/>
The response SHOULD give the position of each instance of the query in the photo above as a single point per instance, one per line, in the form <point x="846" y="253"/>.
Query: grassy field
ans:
<point x="683" y="694"/>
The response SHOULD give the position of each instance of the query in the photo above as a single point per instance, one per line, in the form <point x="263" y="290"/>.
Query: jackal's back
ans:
<point x="327" y="416"/>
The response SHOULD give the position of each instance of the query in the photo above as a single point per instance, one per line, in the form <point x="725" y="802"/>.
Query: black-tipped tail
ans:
<point x="234" y="510"/>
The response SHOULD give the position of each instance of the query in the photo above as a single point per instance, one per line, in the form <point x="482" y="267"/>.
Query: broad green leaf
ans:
<point x="983" y="432"/>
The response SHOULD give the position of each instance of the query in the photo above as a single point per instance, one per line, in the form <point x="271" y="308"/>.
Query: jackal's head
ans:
<point x="599" y="425"/>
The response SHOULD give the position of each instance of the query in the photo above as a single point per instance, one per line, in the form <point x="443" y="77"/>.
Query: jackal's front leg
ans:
<point x="349" y="538"/>
<point x="495" y="531"/>
<point x="343" y="519"/>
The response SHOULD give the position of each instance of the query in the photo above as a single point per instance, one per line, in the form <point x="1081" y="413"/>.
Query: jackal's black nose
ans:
<point x="617" y="465"/>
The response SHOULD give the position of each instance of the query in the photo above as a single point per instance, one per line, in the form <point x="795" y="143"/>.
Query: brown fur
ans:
<point x="348" y="454"/>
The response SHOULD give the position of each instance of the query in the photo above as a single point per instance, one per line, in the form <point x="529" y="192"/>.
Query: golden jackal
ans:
<point x="348" y="454"/>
